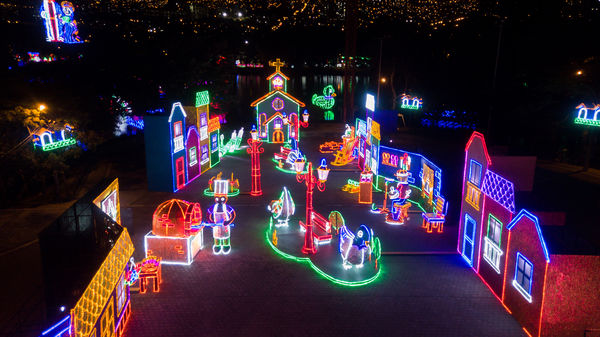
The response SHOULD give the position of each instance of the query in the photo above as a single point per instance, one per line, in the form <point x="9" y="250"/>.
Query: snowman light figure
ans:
<point x="221" y="218"/>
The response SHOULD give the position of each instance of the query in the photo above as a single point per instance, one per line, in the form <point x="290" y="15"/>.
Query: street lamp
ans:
<point x="255" y="150"/>
<point x="42" y="107"/>
<point x="310" y="181"/>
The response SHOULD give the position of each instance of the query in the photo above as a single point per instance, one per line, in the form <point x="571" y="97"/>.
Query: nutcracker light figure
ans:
<point x="221" y="218"/>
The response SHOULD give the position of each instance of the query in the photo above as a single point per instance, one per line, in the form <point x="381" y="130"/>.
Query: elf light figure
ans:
<point x="221" y="218"/>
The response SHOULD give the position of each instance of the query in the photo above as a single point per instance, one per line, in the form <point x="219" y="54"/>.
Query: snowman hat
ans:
<point x="221" y="187"/>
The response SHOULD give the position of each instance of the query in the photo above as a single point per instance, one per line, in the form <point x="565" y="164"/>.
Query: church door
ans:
<point x="278" y="136"/>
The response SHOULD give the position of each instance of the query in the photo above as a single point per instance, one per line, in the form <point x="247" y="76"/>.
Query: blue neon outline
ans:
<point x="530" y="278"/>
<point x="429" y="163"/>
<point x="480" y="173"/>
<point x="63" y="331"/>
<point x="171" y="141"/>
<point x="473" y="241"/>
<point x="525" y="213"/>
<point x="57" y="324"/>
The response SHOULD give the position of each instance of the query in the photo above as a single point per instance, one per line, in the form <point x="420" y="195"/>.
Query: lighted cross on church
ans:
<point x="277" y="112"/>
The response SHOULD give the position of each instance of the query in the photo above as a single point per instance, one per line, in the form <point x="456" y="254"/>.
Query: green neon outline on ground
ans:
<point x="583" y="121"/>
<point x="59" y="144"/>
<point x="319" y="271"/>
<point x="207" y="192"/>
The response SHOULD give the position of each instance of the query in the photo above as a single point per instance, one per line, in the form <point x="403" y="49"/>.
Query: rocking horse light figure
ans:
<point x="355" y="246"/>
<point x="282" y="208"/>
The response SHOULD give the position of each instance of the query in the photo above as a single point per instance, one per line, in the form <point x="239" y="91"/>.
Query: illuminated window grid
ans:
<point x="492" y="254"/>
<point x="523" y="276"/>
<point x="475" y="173"/>
<point x="87" y="311"/>
<point x="473" y="194"/>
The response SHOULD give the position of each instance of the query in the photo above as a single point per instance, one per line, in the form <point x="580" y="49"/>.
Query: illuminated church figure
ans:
<point x="277" y="112"/>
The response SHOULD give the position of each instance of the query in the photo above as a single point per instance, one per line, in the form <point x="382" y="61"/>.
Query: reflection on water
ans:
<point x="254" y="86"/>
<point x="251" y="87"/>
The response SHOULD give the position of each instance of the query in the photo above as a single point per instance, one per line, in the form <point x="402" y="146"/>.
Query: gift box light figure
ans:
<point x="221" y="218"/>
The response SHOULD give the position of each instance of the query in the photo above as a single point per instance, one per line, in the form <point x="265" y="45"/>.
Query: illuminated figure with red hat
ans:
<point x="221" y="218"/>
<point x="399" y="194"/>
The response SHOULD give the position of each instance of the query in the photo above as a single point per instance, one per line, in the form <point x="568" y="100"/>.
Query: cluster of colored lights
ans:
<point x="412" y="103"/>
<point x="59" y="144"/>
<point x="582" y="115"/>
<point x="239" y="64"/>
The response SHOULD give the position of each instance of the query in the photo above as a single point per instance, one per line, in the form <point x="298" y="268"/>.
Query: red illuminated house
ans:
<point x="477" y="161"/>
<point x="549" y="293"/>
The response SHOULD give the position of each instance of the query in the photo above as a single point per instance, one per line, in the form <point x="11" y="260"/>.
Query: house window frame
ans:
<point x="204" y="160"/>
<point x="473" y="195"/>
<point x="121" y="294"/>
<point x="193" y="158"/>
<point x="470" y="178"/>
<point x="526" y="293"/>
<point x="177" y="136"/>
<point x="492" y="251"/>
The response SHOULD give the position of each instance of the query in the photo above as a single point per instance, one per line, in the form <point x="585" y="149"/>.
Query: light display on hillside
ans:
<point x="59" y="22"/>
<point x="588" y="116"/>
<point x="49" y="140"/>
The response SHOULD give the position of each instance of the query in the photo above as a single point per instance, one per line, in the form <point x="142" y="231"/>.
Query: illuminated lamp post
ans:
<point x="310" y="181"/>
<point x="255" y="150"/>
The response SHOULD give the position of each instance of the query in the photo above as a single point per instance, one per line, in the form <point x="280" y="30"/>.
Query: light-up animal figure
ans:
<point x="327" y="101"/>
<point x="221" y="218"/>
<point x="282" y="208"/>
<point x="354" y="247"/>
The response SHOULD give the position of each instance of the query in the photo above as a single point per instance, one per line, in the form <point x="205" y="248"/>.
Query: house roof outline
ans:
<point x="524" y="213"/>
<point x="480" y="136"/>
<point x="268" y="95"/>
<point x="277" y="73"/>
<point x="500" y="190"/>
<point x="175" y="105"/>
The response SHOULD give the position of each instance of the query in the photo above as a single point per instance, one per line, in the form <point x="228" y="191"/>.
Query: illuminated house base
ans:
<point x="174" y="250"/>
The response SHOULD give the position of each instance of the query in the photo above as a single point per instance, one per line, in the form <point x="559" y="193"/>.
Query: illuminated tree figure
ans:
<point x="310" y="181"/>
<point x="282" y="208"/>
<point x="255" y="150"/>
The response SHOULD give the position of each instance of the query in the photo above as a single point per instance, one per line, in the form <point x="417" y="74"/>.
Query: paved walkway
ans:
<point x="254" y="292"/>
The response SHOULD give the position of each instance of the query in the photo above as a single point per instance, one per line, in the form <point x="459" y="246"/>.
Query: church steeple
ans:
<point x="277" y="80"/>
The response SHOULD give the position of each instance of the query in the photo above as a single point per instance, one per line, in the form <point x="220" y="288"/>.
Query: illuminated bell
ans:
<point x="299" y="165"/>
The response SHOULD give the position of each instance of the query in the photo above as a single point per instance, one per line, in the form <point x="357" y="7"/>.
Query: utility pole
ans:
<point x="493" y="99"/>
<point x="350" y="28"/>
<point x="379" y="73"/>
